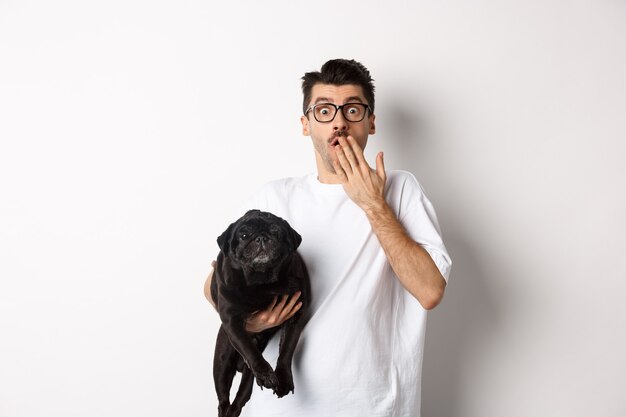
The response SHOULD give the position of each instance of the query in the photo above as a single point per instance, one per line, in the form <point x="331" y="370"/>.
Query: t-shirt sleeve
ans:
<point x="267" y="198"/>
<point x="417" y="215"/>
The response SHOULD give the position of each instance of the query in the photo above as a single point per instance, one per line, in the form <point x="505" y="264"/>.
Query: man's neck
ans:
<point x="327" y="177"/>
<point x="324" y="174"/>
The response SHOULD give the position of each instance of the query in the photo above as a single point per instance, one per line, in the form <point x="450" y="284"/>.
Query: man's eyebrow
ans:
<point x="353" y="99"/>
<point x="323" y="100"/>
<point x="350" y="99"/>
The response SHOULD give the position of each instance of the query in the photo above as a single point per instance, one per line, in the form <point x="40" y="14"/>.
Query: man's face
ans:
<point x="325" y="135"/>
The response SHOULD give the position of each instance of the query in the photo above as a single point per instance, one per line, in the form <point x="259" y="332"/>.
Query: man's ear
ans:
<point x="305" y="125"/>
<point x="372" y="124"/>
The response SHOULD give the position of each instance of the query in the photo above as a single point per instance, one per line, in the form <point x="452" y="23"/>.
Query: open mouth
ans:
<point x="334" y="140"/>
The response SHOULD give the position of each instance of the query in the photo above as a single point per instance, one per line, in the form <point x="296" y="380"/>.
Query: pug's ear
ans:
<point x="294" y="237"/>
<point x="225" y="238"/>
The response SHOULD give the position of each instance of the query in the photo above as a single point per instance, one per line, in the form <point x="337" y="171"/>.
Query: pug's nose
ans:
<point x="261" y="239"/>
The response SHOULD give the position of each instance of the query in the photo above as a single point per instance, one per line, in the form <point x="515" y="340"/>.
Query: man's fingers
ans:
<point x="346" y="145"/>
<point x="343" y="160"/>
<point x="380" y="166"/>
<point x="343" y="177"/>
<point x="293" y="299"/>
<point x="283" y="300"/>
<point x="275" y="315"/>
<point x="359" y="156"/>
<point x="285" y="310"/>
<point x="294" y="310"/>
<point x="292" y="302"/>
<point x="357" y="150"/>
<point x="271" y="306"/>
<point x="278" y="309"/>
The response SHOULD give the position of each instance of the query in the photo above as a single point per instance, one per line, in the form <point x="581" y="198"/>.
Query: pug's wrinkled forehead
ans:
<point x="259" y="225"/>
<point x="257" y="221"/>
<point x="257" y="218"/>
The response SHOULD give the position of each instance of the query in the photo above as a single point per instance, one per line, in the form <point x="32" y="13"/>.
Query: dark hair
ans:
<point x="339" y="72"/>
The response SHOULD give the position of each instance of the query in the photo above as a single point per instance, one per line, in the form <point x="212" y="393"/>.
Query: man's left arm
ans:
<point x="412" y="264"/>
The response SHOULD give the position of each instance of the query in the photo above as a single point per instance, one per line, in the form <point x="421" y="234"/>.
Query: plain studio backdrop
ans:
<point x="131" y="130"/>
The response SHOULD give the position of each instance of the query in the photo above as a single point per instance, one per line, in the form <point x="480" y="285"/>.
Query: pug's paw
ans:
<point x="285" y="381"/>
<point x="265" y="376"/>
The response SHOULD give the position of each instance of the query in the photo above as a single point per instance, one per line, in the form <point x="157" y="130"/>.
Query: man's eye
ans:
<point x="353" y="110"/>
<point x="324" y="109"/>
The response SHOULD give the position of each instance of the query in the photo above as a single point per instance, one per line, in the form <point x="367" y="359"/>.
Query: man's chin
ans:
<point x="330" y="168"/>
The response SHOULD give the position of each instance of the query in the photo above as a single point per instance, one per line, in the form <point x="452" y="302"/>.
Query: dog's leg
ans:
<point x="243" y="393"/>
<point x="288" y="342"/>
<point x="250" y="353"/>
<point x="224" y="369"/>
<point x="247" y="378"/>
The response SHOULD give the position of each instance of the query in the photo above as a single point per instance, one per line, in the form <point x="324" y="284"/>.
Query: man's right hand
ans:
<point x="274" y="315"/>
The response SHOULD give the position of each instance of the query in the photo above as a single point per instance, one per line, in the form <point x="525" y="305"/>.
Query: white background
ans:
<point x="130" y="130"/>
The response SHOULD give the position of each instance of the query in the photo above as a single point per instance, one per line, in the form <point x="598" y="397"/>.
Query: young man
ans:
<point x="372" y="246"/>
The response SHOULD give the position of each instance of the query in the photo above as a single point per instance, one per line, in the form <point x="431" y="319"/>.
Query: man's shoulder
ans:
<point x="275" y="193"/>
<point x="274" y="196"/>
<point x="403" y="180"/>
<point x="284" y="184"/>
<point x="400" y="175"/>
<point x="404" y="191"/>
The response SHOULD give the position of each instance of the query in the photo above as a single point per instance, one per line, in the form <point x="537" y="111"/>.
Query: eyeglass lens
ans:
<point x="352" y="112"/>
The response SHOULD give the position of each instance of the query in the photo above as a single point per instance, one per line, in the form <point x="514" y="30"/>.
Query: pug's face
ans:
<point x="258" y="243"/>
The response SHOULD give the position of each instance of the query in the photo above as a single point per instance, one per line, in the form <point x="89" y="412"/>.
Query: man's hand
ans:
<point x="274" y="315"/>
<point x="364" y="186"/>
<point x="409" y="260"/>
<point x="207" y="285"/>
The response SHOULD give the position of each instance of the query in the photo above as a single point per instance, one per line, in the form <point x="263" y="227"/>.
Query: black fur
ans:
<point x="257" y="262"/>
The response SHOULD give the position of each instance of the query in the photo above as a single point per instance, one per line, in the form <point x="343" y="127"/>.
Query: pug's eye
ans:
<point x="243" y="236"/>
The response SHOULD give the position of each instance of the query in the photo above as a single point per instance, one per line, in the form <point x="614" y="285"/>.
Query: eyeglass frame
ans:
<point x="337" y="108"/>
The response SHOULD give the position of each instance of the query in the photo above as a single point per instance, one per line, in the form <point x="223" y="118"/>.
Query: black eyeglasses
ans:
<point x="326" y="112"/>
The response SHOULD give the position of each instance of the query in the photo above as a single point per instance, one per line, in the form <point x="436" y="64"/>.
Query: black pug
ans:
<point x="257" y="262"/>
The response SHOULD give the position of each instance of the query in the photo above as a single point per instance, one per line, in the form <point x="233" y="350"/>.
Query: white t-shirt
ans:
<point x="360" y="354"/>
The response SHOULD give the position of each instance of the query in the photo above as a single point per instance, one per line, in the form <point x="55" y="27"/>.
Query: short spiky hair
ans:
<point x="339" y="72"/>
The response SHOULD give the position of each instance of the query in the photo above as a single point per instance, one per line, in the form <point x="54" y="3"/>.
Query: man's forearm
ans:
<point x="207" y="286"/>
<point x="411" y="263"/>
<point x="409" y="260"/>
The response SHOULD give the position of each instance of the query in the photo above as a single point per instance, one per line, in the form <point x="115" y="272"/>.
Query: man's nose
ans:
<point x="339" y="122"/>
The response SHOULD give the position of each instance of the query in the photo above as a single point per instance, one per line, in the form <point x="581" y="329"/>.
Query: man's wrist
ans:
<point x="376" y="208"/>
